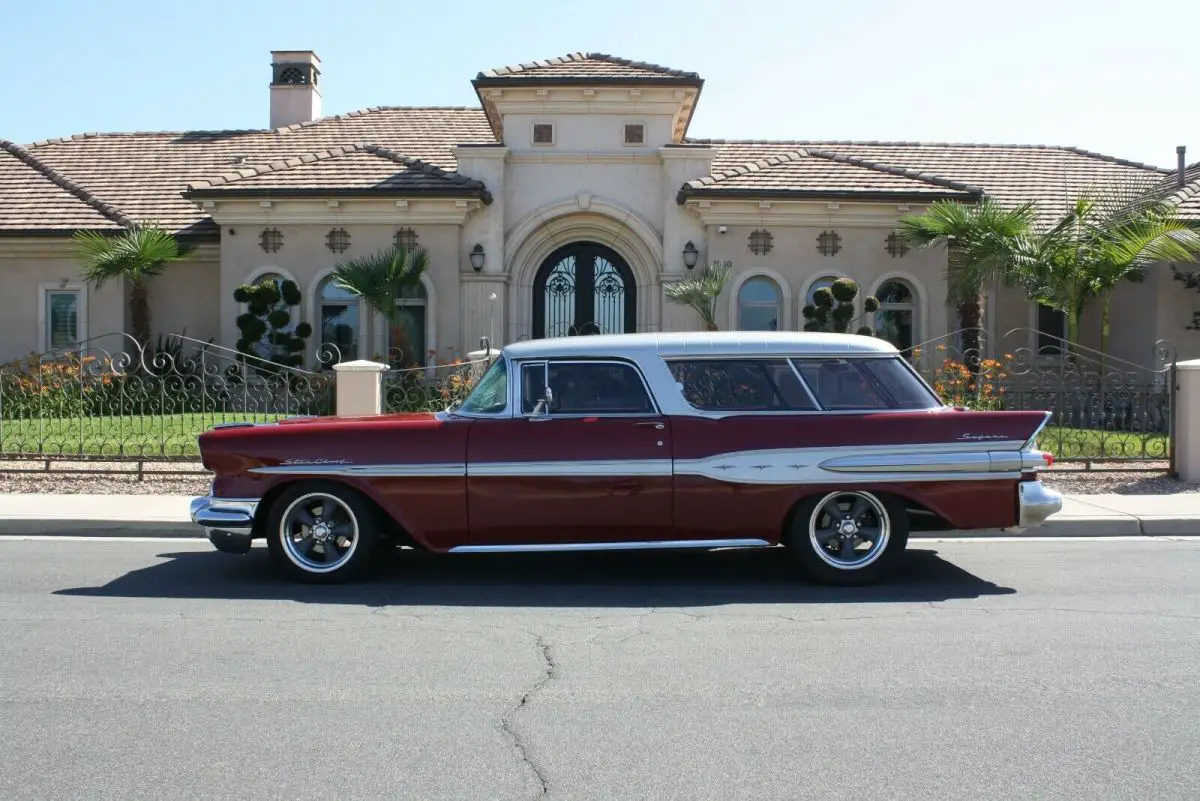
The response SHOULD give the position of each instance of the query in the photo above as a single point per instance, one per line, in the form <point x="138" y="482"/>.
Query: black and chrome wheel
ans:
<point x="848" y="536"/>
<point x="321" y="532"/>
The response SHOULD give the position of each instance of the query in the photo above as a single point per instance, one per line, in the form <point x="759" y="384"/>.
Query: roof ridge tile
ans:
<point x="333" y="152"/>
<point x="916" y="143"/>
<point x="524" y="68"/>
<point x="63" y="182"/>
<point x="915" y="175"/>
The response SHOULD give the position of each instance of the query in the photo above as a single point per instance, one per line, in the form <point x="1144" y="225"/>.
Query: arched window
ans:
<point x="823" y="282"/>
<point x="339" y="315"/>
<point x="408" y="343"/>
<point x="896" y="320"/>
<point x="759" y="305"/>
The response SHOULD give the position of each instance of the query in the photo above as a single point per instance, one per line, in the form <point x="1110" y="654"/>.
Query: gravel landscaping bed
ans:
<point x="1106" y="477"/>
<point x="156" y="479"/>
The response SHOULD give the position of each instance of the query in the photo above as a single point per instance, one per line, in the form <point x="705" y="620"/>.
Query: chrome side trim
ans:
<point x="642" y="468"/>
<point x="1033" y="460"/>
<point x="1007" y="461"/>
<point x="434" y="470"/>
<point x="1036" y="504"/>
<point x="610" y="546"/>
<point x="969" y="462"/>
<point x="225" y="514"/>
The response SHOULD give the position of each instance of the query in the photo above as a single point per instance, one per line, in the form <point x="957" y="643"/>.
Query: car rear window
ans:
<point x="864" y="384"/>
<point x="754" y="385"/>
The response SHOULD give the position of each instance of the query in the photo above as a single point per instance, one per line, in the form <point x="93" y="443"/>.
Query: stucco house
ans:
<point x="562" y="203"/>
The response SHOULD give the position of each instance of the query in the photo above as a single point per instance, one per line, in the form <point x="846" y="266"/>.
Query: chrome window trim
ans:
<point x="668" y="361"/>
<point x="791" y="360"/>
<point x="873" y="379"/>
<point x="518" y="408"/>
<point x="507" y="411"/>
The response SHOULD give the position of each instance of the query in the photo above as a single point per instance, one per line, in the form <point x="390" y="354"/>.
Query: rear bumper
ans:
<point x="1036" y="503"/>
<point x="228" y="522"/>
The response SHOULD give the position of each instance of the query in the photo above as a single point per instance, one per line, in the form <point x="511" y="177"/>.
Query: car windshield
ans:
<point x="491" y="393"/>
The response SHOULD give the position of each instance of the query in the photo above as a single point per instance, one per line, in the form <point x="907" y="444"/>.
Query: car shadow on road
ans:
<point x="604" y="579"/>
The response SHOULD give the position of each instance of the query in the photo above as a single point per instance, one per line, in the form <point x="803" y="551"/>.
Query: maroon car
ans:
<point x="830" y="445"/>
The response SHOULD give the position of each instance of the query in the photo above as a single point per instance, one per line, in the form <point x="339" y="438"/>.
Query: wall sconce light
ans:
<point x="477" y="257"/>
<point x="690" y="255"/>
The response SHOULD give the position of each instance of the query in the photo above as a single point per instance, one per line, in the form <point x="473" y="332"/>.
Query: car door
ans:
<point x="588" y="462"/>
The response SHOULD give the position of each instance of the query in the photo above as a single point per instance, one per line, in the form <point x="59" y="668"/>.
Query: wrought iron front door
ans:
<point x="584" y="288"/>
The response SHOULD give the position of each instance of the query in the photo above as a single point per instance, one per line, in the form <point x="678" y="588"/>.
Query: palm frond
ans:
<point x="133" y="254"/>
<point x="382" y="278"/>
<point x="700" y="291"/>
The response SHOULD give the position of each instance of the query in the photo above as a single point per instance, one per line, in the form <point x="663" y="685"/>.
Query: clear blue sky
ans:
<point x="1116" y="76"/>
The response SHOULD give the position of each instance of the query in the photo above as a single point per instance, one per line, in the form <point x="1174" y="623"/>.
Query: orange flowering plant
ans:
<point x="954" y="384"/>
<point x="69" y="386"/>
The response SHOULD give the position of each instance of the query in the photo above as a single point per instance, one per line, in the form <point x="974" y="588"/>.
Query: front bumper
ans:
<point x="228" y="522"/>
<point x="1036" y="503"/>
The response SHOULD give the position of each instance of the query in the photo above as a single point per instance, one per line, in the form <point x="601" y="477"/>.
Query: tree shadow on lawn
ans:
<point x="629" y="579"/>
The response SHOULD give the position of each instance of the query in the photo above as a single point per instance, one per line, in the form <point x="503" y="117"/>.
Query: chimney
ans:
<point x="295" y="96"/>
<point x="1179" y="179"/>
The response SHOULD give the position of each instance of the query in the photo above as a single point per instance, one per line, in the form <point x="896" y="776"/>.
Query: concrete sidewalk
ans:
<point x="167" y="516"/>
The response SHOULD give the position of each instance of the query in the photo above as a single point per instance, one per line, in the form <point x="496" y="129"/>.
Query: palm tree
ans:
<point x="381" y="280"/>
<point x="134" y="255"/>
<point x="981" y="241"/>
<point x="1107" y="238"/>
<point x="700" y="291"/>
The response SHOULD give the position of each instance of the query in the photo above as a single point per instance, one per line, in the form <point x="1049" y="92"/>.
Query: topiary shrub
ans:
<point x="266" y="322"/>
<point x="832" y="309"/>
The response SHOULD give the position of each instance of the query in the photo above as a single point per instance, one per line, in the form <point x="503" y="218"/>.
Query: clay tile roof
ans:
<point x="145" y="174"/>
<point x="34" y="198"/>
<point x="819" y="173"/>
<point x="1012" y="174"/>
<point x="583" y="67"/>
<point x="343" y="169"/>
<point x="1187" y="197"/>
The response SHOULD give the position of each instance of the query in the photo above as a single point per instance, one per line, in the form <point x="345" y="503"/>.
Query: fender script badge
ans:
<point x="981" y="436"/>
<point x="315" y="461"/>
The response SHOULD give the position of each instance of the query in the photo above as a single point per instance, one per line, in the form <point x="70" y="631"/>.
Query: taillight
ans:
<point x="1049" y="458"/>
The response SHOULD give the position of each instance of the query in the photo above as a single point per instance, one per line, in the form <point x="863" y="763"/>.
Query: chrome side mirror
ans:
<point x="541" y="410"/>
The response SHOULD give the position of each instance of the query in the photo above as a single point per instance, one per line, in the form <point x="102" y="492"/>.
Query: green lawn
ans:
<point x="175" y="436"/>
<point x="150" y="435"/>
<point x="1077" y="443"/>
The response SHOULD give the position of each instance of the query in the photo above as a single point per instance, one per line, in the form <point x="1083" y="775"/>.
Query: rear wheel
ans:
<point x="321" y="532"/>
<point x="848" y="536"/>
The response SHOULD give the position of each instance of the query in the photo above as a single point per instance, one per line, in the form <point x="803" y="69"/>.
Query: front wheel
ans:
<point x="848" y="536"/>
<point x="321" y="532"/>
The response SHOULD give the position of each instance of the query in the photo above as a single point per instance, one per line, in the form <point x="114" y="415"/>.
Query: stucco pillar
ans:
<point x="1187" y="420"/>
<point x="359" y="388"/>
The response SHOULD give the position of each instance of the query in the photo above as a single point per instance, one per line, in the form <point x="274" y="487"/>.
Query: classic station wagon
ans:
<point x="830" y="445"/>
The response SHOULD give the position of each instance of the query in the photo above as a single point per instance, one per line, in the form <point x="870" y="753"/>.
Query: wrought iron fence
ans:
<point x="112" y="398"/>
<point x="432" y="388"/>
<point x="1104" y="409"/>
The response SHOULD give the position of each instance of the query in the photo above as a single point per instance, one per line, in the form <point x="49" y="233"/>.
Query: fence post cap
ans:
<point x="360" y="366"/>
<point x="1192" y="364"/>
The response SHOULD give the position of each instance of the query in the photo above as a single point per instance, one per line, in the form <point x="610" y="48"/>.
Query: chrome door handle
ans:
<point x="655" y="426"/>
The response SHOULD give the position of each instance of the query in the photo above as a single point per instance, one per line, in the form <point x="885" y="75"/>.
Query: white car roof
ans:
<point x="703" y="343"/>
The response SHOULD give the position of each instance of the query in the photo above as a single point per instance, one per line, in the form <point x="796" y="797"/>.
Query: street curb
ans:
<point x="49" y="527"/>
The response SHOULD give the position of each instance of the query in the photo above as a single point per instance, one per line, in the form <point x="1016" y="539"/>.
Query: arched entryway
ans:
<point x="584" y="288"/>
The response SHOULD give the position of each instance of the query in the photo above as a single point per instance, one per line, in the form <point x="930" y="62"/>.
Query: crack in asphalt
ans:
<point x="506" y="723"/>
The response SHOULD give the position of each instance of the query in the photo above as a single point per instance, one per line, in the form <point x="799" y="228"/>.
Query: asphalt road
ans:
<point x="164" y="670"/>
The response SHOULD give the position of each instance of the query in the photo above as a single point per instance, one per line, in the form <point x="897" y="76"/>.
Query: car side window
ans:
<point x="580" y="387"/>
<point x="756" y="385"/>
<point x="840" y="385"/>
